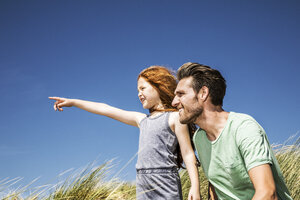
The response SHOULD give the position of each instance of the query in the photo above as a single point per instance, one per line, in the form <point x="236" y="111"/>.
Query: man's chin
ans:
<point x="183" y="120"/>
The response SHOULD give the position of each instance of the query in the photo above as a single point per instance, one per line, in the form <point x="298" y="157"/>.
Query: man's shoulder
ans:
<point x="244" y="124"/>
<point x="239" y="120"/>
<point x="241" y="117"/>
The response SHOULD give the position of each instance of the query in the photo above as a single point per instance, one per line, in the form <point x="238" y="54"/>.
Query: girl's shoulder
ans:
<point x="173" y="119"/>
<point x="141" y="117"/>
<point x="174" y="115"/>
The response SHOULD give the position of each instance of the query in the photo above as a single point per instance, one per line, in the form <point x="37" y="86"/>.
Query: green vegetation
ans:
<point x="288" y="157"/>
<point x="92" y="183"/>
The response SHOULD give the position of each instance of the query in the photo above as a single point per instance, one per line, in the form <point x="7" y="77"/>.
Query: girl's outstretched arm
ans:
<point x="127" y="117"/>
<point x="188" y="155"/>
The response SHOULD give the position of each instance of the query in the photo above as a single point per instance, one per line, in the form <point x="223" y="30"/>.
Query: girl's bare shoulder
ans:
<point x="173" y="120"/>
<point x="140" y="117"/>
<point x="174" y="116"/>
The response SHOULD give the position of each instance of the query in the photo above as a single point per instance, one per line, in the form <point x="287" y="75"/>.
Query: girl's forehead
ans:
<point x="141" y="81"/>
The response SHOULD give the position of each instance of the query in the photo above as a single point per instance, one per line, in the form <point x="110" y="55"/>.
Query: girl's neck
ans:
<point x="156" y="112"/>
<point x="157" y="108"/>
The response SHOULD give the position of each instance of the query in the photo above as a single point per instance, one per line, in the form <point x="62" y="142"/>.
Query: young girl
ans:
<point x="161" y="134"/>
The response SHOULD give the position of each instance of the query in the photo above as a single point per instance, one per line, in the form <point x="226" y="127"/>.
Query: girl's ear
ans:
<point x="203" y="93"/>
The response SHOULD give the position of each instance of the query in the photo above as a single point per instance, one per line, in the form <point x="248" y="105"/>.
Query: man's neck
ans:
<point x="212" y="121"/>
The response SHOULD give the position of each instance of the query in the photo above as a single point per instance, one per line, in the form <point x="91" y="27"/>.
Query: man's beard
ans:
<point x="193" y="115"/>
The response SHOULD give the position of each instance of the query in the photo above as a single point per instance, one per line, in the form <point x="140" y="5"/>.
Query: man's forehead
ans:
<point x="185" y="82"/>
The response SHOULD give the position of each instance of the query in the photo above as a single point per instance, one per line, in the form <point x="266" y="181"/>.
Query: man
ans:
<point x="232" y="147"/>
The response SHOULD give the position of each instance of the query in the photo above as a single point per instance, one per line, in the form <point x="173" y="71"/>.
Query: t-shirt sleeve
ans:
<point x="253" y="145"/>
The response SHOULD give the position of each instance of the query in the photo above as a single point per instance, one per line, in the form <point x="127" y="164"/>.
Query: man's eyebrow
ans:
<point x="178" y="92"/>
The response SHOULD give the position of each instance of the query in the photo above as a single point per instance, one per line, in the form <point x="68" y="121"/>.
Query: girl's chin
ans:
<point x="145" y="106"/>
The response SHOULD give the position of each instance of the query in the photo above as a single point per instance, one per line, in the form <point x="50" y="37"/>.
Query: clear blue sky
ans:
<point x="94" y="50"/>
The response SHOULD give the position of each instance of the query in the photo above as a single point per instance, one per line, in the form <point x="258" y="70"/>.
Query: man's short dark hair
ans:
<point x="204" y="76"/>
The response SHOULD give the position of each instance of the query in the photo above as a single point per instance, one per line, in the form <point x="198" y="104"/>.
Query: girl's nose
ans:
<point x="139" y="94"/>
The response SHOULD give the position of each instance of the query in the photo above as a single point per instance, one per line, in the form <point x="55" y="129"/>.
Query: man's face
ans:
<point x="186" y="101"/>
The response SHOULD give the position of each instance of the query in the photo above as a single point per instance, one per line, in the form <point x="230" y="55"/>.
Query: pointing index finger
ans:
<point x="54" y="98"/>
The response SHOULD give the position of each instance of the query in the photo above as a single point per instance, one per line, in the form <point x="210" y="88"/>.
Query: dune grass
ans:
<point x="186" y="184"/>
<point x="92" y="183"/>
<point x="288" y="157"/>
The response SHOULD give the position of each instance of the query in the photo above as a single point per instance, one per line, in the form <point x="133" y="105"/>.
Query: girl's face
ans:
<point x="148" y="96"/>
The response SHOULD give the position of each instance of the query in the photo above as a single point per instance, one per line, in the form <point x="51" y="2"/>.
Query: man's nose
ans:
<point x="175" y="101"/>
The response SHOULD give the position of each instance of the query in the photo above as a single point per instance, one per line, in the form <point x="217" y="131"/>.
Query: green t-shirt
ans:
<point x="242" y="145"/>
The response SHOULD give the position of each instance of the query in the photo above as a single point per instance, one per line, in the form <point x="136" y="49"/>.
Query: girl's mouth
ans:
<point x="142" y="100"/>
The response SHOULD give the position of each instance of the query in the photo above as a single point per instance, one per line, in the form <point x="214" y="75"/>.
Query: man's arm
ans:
<point x="263" y="182"/>
<point x="257" y="154"/>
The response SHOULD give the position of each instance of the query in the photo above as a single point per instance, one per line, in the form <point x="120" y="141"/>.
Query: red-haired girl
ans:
<point x="161" y="134"/>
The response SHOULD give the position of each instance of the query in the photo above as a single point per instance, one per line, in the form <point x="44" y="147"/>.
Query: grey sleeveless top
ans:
<point x="157" y="143"/>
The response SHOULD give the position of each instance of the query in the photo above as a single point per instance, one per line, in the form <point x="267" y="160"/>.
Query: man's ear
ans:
<point x="203" y="93"/>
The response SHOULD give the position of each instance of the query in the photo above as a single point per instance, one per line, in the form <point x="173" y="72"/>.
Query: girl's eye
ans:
<point x="141" y="89"/>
